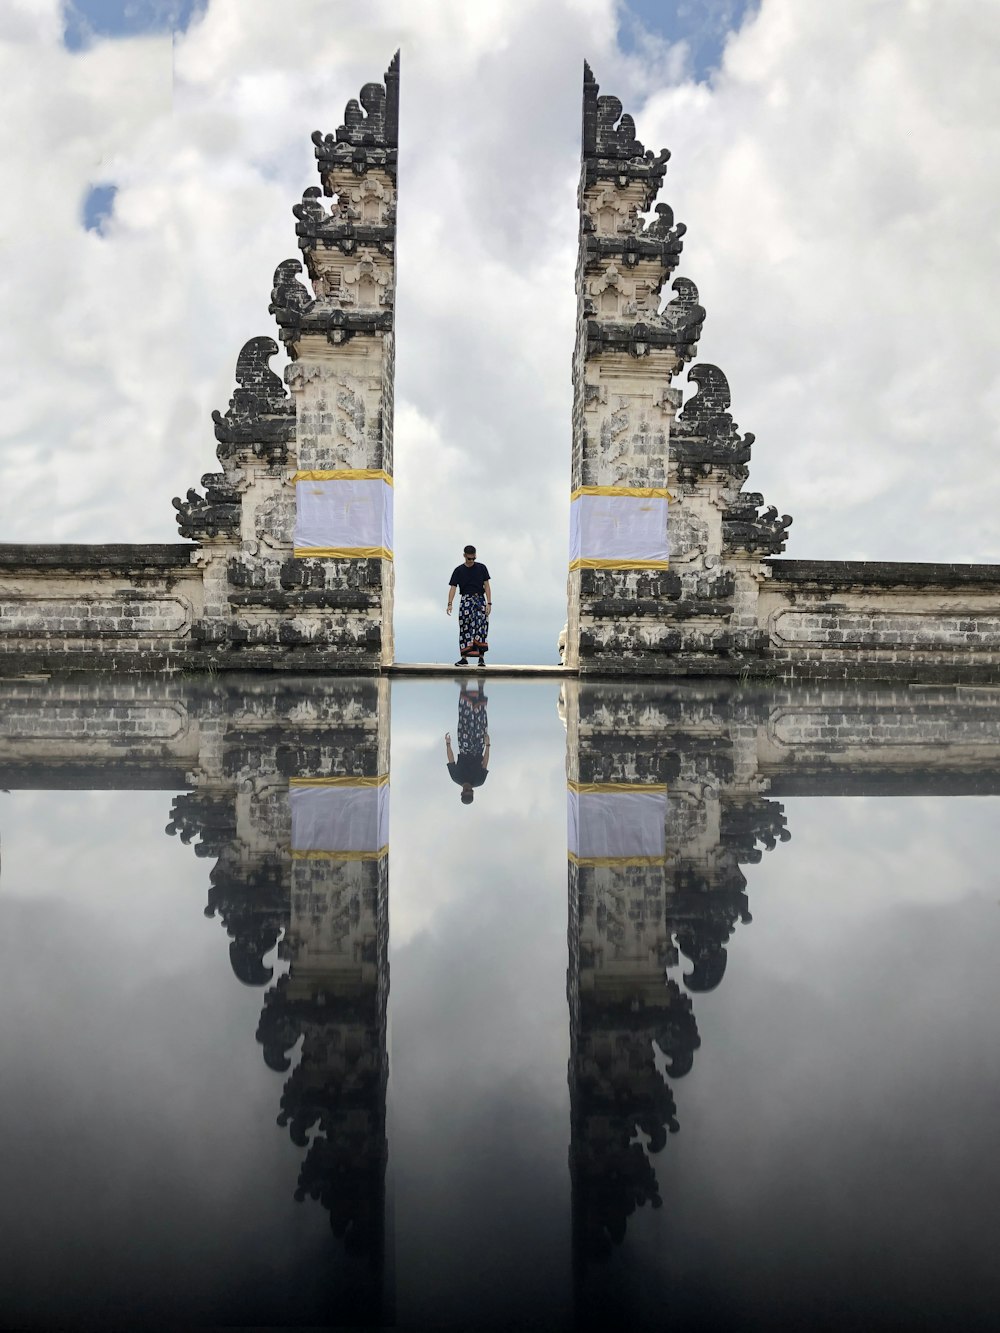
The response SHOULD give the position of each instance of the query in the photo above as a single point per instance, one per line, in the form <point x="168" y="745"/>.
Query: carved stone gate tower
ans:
<point x="665" y="551"/>
<point x="296" y="530"/>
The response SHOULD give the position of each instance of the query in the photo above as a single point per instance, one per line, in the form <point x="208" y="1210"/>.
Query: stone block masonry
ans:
<point x="258" y="581"/>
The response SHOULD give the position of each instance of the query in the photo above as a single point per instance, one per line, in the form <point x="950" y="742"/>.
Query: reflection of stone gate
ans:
<point x="295" y="812"/>
<point x="287" y="794"/>
<point x="672" y="790"/>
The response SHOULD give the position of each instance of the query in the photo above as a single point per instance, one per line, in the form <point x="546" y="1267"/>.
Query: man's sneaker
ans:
<point x="482" y="661"/>
<point x="462" y="661"/>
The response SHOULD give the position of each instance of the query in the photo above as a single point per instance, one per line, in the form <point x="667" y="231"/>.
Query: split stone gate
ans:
<point x="287" y="558"/>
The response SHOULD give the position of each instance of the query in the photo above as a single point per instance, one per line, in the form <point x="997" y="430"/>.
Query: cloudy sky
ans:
<point x="835" y="166"/>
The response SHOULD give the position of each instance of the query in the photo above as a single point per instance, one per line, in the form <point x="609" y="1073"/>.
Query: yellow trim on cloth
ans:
<point x="636" y="492"/>
<point x="342" y="553"/>
<point x="346" y="474"/>
<point x="340" y="780"/>
<point x="616" y="860"/>
<point x="341" y="856"/>
<point x="586" y="562"/>
<point x="640" y="787"/>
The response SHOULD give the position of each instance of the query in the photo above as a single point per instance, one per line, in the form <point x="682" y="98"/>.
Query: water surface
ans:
<point x="688" y="1013"/>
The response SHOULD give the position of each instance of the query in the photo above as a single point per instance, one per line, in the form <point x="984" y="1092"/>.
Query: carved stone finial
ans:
<point x="310" y="211"/>
<point x="745" y="529"/>
<point x="683" y="314"/>
<point x="212" y="515"/>
<point x="611" y="149"/>
<point x="287" y="293"/>
<point x="369" y="136"/>
<point x="704" y="436"/>
<point x="261" y="415"/>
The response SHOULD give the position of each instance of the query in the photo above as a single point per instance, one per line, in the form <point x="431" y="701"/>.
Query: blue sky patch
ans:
<point x="85" y="20"/>
<point x="98" y="206"/>
<point x="703" y="24"/>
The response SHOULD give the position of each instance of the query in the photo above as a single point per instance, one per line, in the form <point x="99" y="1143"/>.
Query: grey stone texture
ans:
<point x="631" y="428"/>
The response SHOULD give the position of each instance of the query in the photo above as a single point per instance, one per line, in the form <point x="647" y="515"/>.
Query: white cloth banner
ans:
<point x="617" y="825"/>
<point x="618" y="528"/>
<point x="338" y="515"/>
<point x="338" y="819"/>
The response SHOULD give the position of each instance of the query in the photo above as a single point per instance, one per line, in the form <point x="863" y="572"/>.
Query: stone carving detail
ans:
<point x="744" y="528"/>
<point x="288" y="296"/>
<point x="297" y="313"/>
<point x="704" y="431"/>
<point x="205" y="815"/>
<point x="369" y="136"/>
<point x="628" y="349"/>
<point x="261" y="415"/>
<point x="259" y="423"/>
<point x="363" y="216"/>
<point x="683" y="314"/>
<point x="662" y="227"/>
<point x="212" y="515"/>
<point x="610" y="147"/>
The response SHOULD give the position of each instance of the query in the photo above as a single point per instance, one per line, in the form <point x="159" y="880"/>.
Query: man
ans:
<point x="473" y="581"/>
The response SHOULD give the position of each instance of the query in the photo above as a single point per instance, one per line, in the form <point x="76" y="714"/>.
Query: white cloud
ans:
<point x="836" y="181"/>
<point x="835" y="177"/>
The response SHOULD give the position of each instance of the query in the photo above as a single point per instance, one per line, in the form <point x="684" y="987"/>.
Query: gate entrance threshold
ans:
<point x="493" y="670"/>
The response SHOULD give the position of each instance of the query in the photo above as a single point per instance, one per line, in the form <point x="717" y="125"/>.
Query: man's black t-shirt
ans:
<point x="469" y="578"/>
<point x="468" y="769"/>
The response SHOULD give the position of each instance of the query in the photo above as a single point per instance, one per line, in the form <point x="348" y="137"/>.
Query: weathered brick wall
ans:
<point x="97" y="607"/>
<point x="854" y="619"/>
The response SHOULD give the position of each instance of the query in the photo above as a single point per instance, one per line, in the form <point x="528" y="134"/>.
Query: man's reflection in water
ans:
<point x="470" y="768"/>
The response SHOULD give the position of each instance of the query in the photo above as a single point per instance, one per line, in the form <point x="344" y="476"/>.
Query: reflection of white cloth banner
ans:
<point x="617" y="823"/>
<point x="618" y="526"/>
<point x="343" y="819"/>
<point x="343" y="515"/>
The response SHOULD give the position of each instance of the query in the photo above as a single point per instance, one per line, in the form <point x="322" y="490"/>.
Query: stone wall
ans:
<point x="855" y="619"/>
<point x="98" y="607"/>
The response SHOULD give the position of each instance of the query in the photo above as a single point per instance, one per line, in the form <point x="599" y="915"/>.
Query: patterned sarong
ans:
<point x="473" y="625"/>
<point x="472" y="722"/>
